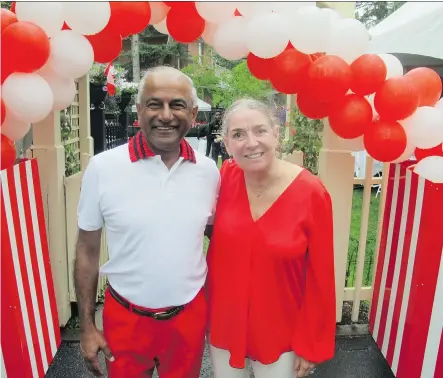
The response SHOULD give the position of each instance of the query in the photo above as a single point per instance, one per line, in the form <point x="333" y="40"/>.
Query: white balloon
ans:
<point x="71" y="54"/>
<point x="216" y="12"/>
<point x="27" y="96"/>
<point x="333" y="15"/>
<point x="161" y="27"/>
<point x="14" y="129"/>
<point x="348" y="39"/>
<point x="159" y="10"/>
<point x="253" y="8"/>
<point x="229" y="39"/>
<point x="425" y="127"/>
<point x="393" y="65"/>
<point x="267" y="35"/>
<point x="209" y="32"/>
<point x="309" y="30"/>
<point x="87" y="17"/>
<point x="290" y="7"/>
<point x="439" y="104"/>
<point x="370" y="99"/>
<point x="63" y="88"/>
<point x="47" y="15"/>
<point x="430" y="168"/>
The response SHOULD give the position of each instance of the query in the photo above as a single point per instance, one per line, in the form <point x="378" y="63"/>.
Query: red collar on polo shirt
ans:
<point x="139" y="149"/>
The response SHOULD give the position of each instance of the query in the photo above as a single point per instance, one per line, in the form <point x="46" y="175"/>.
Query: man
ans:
<point x="214" y="130"/>
<point x="155" y="196"/>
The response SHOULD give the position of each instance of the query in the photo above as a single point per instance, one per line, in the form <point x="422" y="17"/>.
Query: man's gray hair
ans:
<point x="153" y="70"/>
<point x="248" y="103"/>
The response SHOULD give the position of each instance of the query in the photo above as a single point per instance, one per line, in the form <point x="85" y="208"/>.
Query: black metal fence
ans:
<point x="115" y="129"/>
<point x="108" y="130"/>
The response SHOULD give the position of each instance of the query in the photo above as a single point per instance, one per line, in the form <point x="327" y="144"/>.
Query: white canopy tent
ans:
<point x="203" y="106"/>
<point x="415" y="29"/>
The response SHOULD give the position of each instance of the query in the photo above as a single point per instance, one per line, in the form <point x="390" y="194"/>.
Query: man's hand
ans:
<point x="91" y="342"/>
<point x="302" y="367"/>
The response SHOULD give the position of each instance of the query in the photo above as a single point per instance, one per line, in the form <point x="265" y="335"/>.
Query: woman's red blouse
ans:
<point x="271" y="283"/>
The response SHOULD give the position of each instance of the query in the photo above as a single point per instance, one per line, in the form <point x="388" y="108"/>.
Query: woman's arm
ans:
<point x="314" y="337"/>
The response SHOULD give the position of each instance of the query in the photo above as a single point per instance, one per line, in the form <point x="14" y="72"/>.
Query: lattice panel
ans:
<point x="70" y="124"/>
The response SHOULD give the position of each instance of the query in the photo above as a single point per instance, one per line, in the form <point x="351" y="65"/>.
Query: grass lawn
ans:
<point x="357" y="203"/>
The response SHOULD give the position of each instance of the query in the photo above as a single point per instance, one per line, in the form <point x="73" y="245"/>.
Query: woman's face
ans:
<point x="251" y="139"/>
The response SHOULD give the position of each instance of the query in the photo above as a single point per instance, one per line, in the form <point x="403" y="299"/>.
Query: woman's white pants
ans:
<point x="282" y="368"/>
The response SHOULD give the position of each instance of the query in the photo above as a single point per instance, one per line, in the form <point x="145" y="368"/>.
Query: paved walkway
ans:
<point x="356" y="357"/>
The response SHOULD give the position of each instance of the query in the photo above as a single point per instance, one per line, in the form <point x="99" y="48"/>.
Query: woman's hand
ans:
<point x="302" y="367"/>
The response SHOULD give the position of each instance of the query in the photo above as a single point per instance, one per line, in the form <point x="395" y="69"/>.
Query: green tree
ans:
<point x="155" y="49"/>
<point x="305" y="137"/>
<point x="204" y="76"/>
<point x="239" y="83"/>
<point x="225" y="63"/>
<point x="372" y="12"/>
<point x="6" y="4"/>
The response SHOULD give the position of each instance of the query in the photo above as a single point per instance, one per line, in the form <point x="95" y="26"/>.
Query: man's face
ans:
<point x="217" y="116"/>
<point x="165" y="111"/>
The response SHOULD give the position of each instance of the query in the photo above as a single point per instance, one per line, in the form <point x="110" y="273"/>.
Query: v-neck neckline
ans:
<point x="274" y="204"/>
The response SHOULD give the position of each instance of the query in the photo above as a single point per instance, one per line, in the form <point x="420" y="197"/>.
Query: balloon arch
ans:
<point x="301" y="49"/>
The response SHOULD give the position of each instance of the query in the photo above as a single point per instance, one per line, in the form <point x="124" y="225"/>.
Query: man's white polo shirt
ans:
<point x="154" y="219"/>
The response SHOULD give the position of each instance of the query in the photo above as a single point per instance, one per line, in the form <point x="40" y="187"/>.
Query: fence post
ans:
<point x="336" y="169"/>
<point x="50" y="154"/>
<point x="367" y="190"/>
<point x="98" y="132"/>
<point x="86" y="140"/>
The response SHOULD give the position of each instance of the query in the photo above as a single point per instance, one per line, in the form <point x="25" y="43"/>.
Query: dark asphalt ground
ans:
<point x="356" y="357"/>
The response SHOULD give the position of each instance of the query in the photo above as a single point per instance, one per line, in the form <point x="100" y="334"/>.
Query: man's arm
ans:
<point x="86" y="269"/>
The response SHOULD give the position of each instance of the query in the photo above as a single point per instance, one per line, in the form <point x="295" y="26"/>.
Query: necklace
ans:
<point x="259" y="192"/>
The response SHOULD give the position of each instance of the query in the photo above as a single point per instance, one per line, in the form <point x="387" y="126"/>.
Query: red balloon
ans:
<point x="311" y="108"/>
<point x="3" y="112"/>
<point x="289" y="70"/>
<point x="178" y="4"/>
<point x="129" y="17"/>
<point x="106" y="44"/>
<point x="7" y="152"/>
<point x="184" y="23"/>
<point x="351" y="116"/>
<point x="385" y="140"/>
<point x="435" y="151"/>
<point x="13" y="7"/>
<point x="25" y="47"/>
<point x="316" y="56"/>
<point x="397" y="99"/>
<point x="329" y="78"/>
<point x="259" y="67"/>
<point x="7" y="18"/>
<point x="428" y="83"/>
<point x="368" y="74"/>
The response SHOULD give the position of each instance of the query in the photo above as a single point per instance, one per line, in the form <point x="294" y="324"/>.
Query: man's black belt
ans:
<point x="161" y="315"/>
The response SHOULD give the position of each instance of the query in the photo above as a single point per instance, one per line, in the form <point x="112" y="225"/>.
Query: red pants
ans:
<point x="140" y="343"/>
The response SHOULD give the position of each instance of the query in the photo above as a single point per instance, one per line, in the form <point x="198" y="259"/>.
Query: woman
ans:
<point x="271" y="280"/>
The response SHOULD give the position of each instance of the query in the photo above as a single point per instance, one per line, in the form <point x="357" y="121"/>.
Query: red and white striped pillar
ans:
<point x="406" y="318"/>
<point x="30" y="334"/>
